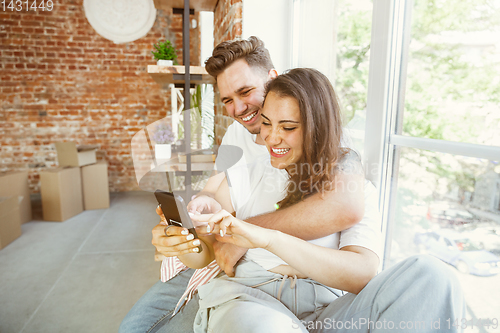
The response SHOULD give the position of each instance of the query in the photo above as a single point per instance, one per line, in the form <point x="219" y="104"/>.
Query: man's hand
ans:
<point x="227" y="256"/>
<point x="178" y="242"/>
<point x="175" y="242"/>
<point x="203" y="204"/>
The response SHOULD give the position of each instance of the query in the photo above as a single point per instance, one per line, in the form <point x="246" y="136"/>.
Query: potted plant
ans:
<point x="163" y="138"/>
<point x="165" y="53"/>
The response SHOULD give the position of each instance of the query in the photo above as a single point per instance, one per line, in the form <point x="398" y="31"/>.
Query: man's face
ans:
<point x="241" y="89"/>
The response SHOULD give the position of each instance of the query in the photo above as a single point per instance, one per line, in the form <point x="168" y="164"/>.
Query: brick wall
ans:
<point x="228" y="20"/>
<point x="227" y="26"/>
<point x="60" y="80"/>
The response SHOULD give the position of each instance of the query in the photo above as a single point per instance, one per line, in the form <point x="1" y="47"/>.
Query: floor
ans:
<point x="84" y="274"/>
<point x="81" y="275"/>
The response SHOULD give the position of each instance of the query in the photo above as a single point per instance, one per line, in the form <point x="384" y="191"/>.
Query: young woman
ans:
<point x="282" y="279"/>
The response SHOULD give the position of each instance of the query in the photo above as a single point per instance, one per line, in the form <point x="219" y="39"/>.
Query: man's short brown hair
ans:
<point x="252" y="50"/>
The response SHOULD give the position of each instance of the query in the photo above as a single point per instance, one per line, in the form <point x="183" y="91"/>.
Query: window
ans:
<point x="453" y="83"/>
<point x="334" y="38"/>
<point x="419" y="84"/>
<point x="433" y="118"/>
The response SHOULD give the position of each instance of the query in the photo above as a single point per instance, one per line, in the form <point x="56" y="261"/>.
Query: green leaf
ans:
<point x="164" y="51"/>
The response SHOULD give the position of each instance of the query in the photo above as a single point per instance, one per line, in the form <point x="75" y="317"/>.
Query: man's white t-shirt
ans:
<point x="256" y="186"/>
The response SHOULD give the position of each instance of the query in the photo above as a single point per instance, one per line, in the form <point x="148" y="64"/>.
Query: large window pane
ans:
<point x="453" y="82"/>
<point x="449" y="207"/>
<point x="353" y="51"/>
<point x="341" y="52"/>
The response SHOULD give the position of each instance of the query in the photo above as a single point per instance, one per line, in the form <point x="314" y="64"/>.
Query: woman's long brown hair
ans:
<point x="322" y="129"/>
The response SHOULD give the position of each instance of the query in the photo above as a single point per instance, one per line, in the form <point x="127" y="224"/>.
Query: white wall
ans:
<point x="271" y="21"/>
<point x="315" y="35"/>
<point x="207" y="35"/>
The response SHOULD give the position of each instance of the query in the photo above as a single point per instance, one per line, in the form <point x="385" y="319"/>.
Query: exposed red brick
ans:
<point x="228" y="26"/>
<point x="60" y="80"/>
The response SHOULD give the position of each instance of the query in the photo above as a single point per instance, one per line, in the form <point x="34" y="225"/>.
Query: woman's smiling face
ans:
<point x="281" y="130"/>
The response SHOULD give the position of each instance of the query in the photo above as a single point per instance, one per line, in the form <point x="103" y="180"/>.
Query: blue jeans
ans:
<point x="153" y="311"/>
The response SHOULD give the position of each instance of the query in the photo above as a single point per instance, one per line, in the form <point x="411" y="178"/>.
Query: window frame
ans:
<point x="391" y="27"/>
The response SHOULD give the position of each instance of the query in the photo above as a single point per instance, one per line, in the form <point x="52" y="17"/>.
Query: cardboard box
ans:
<point x="15" y="183"/>
<point x="61" y="190"/>
<point x="10" y="220"/>
<point x="69" y="154"/>
<point x="95" y="186"/>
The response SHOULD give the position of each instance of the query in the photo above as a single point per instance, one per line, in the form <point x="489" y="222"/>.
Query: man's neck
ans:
<point x="259" y="140"/>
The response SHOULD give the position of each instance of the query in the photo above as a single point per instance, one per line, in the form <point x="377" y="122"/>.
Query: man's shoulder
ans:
<point x="237" y="129"/>
<point x="235" y="133"/>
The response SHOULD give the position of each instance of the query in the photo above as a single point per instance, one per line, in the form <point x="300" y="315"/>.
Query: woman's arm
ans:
<point x="347" y="269"/>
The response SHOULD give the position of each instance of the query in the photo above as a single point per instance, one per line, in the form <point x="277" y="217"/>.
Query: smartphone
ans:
<point x="175" y="211"/>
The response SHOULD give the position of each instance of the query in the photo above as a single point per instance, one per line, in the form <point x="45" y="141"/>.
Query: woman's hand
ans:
<point x="229" y="229"/>
<point x="203" y="204"/>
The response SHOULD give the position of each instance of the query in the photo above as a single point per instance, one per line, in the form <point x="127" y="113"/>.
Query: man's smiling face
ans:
<point x="241" y="89"/>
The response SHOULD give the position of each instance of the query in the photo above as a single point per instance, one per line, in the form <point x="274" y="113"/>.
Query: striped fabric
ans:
<point x="171" y="266"/>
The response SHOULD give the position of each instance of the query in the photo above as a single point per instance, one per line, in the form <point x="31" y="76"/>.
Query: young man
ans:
<point x="241" y="70"/>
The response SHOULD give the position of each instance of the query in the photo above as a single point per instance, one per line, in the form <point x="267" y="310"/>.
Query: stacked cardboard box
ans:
<point x="95" y="186"/>
<point x="10" y="220"/>
<point x="15" y="183"/>
<point x="61" y="193"/>
<point x="69" y="154"/>
<point x="79" y="183"/>
<point x="15" y="205"/>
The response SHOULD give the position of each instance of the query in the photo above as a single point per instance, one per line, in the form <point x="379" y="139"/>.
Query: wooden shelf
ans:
<point x="177" y="162"/>
<point x="175" y="74"/>
<point x="197" y="5"/>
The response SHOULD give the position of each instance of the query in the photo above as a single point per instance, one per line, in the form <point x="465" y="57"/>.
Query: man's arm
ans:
<point x="203" y="202"/>
<point x="320" y="215"/>
<point x="212" y="184"/>
<point x="323" y="213"/>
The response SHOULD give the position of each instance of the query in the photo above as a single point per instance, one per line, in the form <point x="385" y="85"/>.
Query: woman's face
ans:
<point x="281" y="130"/>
